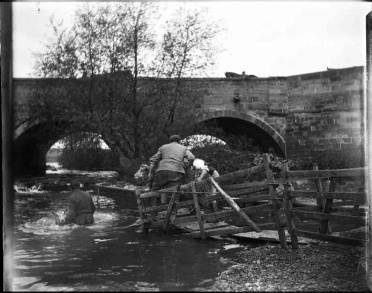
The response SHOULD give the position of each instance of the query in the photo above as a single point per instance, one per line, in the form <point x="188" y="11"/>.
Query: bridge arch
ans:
<point x="257" y="126"/>
<point x="32" y="142"/>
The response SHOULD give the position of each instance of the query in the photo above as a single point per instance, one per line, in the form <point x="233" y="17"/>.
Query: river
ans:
<point x="106" y="256"/>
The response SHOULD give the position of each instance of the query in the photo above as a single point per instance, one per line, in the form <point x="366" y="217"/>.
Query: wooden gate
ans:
<point x="235" y="196"/>
<point x="325" y="195"/>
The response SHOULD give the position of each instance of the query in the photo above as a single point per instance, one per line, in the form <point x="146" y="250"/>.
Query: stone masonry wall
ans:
<point x="264" y="98"/>
<point x="313" y="112"/>
<point x="325" y="113"/>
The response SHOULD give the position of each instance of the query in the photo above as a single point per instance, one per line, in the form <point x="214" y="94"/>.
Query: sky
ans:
<point x="279" y="38"/>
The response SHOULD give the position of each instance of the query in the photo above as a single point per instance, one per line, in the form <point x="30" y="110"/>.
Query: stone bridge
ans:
<point x="299" y="116"/>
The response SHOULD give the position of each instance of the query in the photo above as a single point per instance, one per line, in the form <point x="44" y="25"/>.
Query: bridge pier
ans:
<point x="29" y="160"/>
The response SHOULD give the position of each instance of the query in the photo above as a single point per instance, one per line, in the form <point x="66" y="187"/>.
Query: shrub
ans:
<point x="90" y="159"/>
<point x="333" y="159"/>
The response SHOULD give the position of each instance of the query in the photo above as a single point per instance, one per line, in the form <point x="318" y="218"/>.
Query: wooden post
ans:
<point x="197" y="210"/>
<point x="170" y="207"/>
<point x="289" y="208"/>
<point x="319" y="188"/>
<point x="274" y="200"/>
<point x="356" y="207"/>
<point x="140" y="205"/>
<point x="233" y="204"/>
<point x="325" y="225"/>
<point x="98" y="197"/>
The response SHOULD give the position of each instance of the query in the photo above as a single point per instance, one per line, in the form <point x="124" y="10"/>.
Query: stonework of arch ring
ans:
<point x="25" y="126"/>
<point x="246" y="117"/>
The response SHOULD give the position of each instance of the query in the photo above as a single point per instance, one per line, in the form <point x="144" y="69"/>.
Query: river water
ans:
<point x="106" y="256"/>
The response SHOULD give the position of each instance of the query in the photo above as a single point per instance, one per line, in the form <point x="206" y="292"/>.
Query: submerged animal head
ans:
<point x="142" y="173"/>
<point x="60" y="217"/>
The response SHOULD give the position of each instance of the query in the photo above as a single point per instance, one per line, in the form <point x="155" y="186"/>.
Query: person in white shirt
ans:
<point x="203" y="171"/>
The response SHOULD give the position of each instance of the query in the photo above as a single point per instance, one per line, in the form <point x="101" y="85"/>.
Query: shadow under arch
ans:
<point x="230" y="122"/>
<point x="31" y="146"/>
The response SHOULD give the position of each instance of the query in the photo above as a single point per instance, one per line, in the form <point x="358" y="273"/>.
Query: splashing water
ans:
<point x="47" y="226"/>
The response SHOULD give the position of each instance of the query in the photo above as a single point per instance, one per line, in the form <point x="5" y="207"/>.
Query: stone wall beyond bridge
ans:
<point x="300" y="116"/>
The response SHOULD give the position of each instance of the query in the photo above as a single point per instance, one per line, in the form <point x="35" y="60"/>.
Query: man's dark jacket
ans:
<point x="81" y="208"/>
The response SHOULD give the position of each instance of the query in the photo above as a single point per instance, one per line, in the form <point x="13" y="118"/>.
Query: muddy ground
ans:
<point x="317" y="266"/>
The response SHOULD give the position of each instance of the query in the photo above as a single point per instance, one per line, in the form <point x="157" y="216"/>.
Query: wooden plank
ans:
<point x="228" y="230"/>
<point x="225" y="214"/>
<point x="325" y="225"/>
<point x="266" y="235"/>
<point x="320" y="201"/>
<point x="170" y="207"/>
<point x="321" y="216"/>
<point x="349" y="203"/>
<point x="244" y="185"/>
<point x="251" y="199"/>
<point x="248" y="191"/>
<point x="184" y="203"/>
<point x="351" y="172"/>
<point x="319" y="189"/>
<point x="222" y="178"/>
<point x="139" y="203"/>
<point x="360" y="196"/>
<point x="241" y="173"/>
<point x="324" y="237"/>
<point x="274" y="200"/>
<point x="198" y="213"/>
<point x="231" y="202"/>
<point x="194" y="226"/>
<point x="288" y="209"/>
<point x="262" y="183"/>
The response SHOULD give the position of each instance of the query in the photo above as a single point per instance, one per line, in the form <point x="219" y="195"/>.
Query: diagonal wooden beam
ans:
<point x="233" y="204"/>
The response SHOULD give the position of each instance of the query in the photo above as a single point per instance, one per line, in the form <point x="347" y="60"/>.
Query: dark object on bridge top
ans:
<point x="233" y="74"/>
<point x="278" y="77"/>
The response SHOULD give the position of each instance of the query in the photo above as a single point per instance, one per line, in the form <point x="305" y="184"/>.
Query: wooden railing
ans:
<point x="235" y="194"/>
<point x="280" y="207"/>
<point x="325" y="203"/>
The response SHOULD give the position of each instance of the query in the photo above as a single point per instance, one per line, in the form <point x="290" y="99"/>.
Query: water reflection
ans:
<point x="105" y="256"/>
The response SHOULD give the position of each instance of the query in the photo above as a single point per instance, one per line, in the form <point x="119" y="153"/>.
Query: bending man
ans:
<point x="170" y="161"/>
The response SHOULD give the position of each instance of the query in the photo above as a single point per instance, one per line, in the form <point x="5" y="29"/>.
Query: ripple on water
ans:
<point x="47" y="226"/>
<point x="144" y="286"/>
<point x="43" y="287"/>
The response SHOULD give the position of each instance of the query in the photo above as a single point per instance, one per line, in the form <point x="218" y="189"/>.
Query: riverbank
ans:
<point x="316" y="266"/>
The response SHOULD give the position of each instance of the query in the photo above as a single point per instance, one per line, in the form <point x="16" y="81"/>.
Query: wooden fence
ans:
<point x="325" y="201"/>
<point x="280" y="206"/>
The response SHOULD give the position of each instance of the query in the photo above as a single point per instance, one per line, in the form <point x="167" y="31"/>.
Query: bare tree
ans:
<point x="188" y="48"/>
<point x="135" y="95"/>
